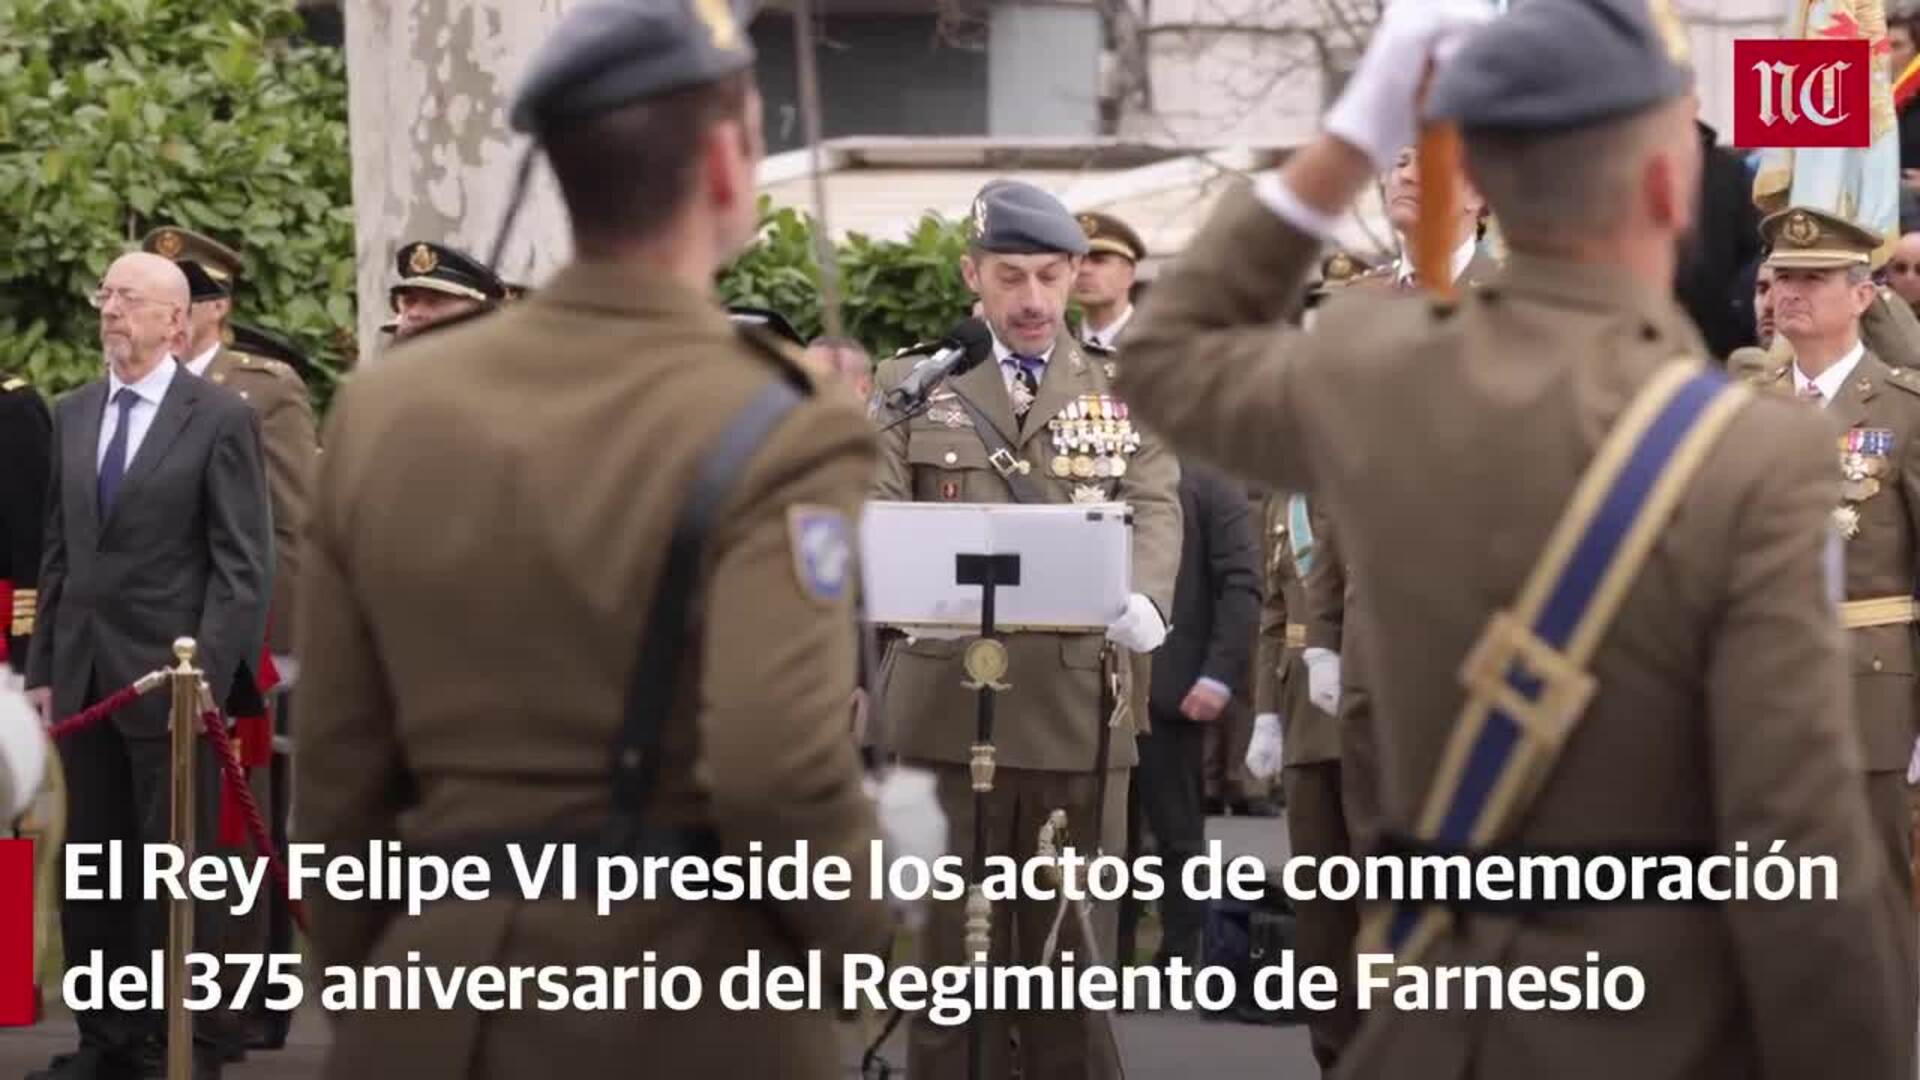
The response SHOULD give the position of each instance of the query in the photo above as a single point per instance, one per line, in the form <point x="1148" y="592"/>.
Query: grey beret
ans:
<point x="609" y="53"/>
<point x="1554" y="64"/>
<point x="1015" y="218"/>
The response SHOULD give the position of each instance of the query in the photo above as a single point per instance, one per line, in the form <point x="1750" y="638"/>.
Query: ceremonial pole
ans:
<point x="184" y="730"/>
<point x="1438" y="152"/>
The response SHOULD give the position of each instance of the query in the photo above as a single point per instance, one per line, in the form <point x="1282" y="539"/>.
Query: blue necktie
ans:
<point x="115" y="465"/>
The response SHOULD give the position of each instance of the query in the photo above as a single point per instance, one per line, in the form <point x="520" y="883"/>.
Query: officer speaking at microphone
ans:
<point x="1036" y="421"/>
<point x="622" y="620"/>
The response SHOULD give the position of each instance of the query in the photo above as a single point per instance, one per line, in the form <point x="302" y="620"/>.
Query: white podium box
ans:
<point x="1075" y="565"/>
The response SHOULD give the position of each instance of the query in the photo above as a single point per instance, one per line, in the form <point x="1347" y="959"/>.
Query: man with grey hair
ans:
<point x="1593" y="573"/>
<point x="1823" y="284"/>
<point x="157" y="528"/>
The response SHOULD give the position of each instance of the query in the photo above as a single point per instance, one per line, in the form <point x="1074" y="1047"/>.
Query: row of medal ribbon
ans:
<point x="1090" y="437"/>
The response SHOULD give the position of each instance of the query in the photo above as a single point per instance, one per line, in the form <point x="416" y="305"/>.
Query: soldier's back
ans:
<point x="499" y="498"/>
<point x="1448" y="442"/>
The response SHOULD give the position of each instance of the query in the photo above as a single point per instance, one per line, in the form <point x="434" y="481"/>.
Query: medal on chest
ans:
<point x="1864" y="453"/>
<point x="1093" y="436"/>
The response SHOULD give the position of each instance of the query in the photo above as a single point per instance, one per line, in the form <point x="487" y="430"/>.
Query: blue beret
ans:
<point x="609" y="53"/>
<point x="1556" y="64"/>
<point x="1015" y="218"/>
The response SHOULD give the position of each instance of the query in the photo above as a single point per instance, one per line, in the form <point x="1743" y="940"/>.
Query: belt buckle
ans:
<point x="1006" y="464"/>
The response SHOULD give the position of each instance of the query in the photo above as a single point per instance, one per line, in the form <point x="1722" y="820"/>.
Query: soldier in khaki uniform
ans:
<point x="1050" y="398"/>
<point x="1822" y="285"/>
<point x="1448" y="440"/>
<point x="471" y="649"/>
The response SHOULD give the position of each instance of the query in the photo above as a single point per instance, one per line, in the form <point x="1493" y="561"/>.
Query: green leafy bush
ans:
<point x="892" y="293"/>
<point x="120" y="115"/>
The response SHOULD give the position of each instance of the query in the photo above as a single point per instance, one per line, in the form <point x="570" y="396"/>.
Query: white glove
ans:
<point x="912" y="825"/>
<point x="1140" y="627"/>
<point x="1913" y="764"/>
<point x="1264" y="749"/>
<point x="1378" y="112"/>
<point x="1323" y="679"/>
<point x="289" y="668"/>
<point x="23" y="748"/>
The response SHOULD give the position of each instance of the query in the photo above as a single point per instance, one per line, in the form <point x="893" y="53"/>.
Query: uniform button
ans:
<point x="1876" y="663"/>
<point x="952" y="458"/>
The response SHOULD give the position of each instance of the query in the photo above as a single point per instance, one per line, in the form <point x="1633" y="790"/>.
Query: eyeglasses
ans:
<point x="127" y="297"/>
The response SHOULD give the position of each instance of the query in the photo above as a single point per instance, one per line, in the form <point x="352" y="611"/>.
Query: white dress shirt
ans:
<point x="199" y="364"/>
<point x="1010" y="368"/>
<point x="1462" y="255"/>
<point x="151" y="390"/>
<point x="1105" y="336"/>
<point x="1832" y="379"/>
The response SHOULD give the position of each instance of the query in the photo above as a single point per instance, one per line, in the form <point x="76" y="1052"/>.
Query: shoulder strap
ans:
<point x="1527" y="678"/>
<point x="1002" y="456"/>
<point x="654" y="685"/>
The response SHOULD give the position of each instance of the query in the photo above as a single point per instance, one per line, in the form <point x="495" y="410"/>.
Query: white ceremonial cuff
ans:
<point x="1274" y="193"/>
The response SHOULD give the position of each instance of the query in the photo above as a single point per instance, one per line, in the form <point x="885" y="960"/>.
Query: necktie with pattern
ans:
<point x="114" y="467"/>
<point x="1026" y="370"/>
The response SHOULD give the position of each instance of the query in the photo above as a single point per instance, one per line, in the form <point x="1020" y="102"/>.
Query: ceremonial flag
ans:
<point x="1861" y="185"/>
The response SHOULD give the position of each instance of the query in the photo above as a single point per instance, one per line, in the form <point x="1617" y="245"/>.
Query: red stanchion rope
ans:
<point x="215" y="730"/>
<point x="94" y="714"/>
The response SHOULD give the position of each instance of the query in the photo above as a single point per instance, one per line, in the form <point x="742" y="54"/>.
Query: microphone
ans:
<point x="960" y="351"/>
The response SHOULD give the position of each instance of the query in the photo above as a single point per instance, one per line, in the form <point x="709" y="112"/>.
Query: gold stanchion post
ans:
<point x="185" y="724"/>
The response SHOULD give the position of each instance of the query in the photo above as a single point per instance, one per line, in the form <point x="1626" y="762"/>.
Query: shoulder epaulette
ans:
<point x="770" y="342"/>
<point x="264" y="366"/>
<point x="1905" y="378"/>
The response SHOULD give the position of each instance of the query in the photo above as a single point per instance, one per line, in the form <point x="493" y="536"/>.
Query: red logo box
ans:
<point x="1803" y="94"/>
<point x="18" y="1002"/>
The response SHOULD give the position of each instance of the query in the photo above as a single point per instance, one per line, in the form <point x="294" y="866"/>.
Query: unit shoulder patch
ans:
<point x="822" y="547"/>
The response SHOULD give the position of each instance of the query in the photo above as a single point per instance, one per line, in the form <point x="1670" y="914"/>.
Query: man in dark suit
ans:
<point x="1216" y="609"/>
<point x="157" y="528"/>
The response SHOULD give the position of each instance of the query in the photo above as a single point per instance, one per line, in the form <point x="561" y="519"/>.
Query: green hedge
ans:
<point x="893" y="293"/>
<point x="120" y="115"/>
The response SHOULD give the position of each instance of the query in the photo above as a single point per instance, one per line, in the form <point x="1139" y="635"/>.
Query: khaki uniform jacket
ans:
<point x="490" y="520"/>
<point x="1308" y="735"/>
<point x="1447" y="440"/>
<point x="288" y="433"/>
<point x="1880" y="556"/>
<point x="1047" y="720"/>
